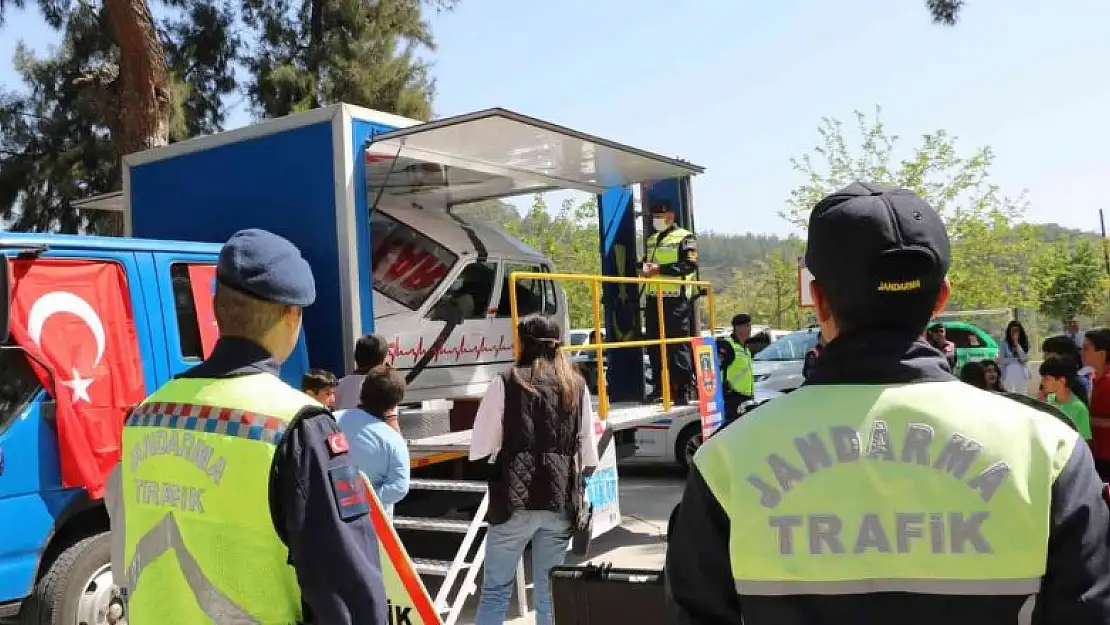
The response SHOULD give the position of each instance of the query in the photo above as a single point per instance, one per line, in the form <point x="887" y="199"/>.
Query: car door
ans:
<point x="186" y="285"/>
<point x="534" y="296"/>
<point x="460" y="321"/>
<point x="32" y="496"/>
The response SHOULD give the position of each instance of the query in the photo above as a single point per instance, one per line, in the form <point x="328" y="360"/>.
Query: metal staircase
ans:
<point x="457" y="575"/>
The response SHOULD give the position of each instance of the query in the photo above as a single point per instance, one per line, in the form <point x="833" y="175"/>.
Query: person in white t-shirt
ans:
<point x="370" y="351"/>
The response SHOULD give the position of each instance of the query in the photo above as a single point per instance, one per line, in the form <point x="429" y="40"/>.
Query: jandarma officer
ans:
<point x="884" y="490"/>
<point x="236" y="500"/>
<point x="736" y="366"/>
<point x="672" y="253"/>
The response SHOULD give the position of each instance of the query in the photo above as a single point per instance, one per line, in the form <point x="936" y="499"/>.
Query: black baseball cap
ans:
<point x="877" y="251"/>
<point x="660" y="207"/>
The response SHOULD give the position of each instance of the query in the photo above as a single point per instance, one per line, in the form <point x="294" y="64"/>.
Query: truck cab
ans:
<point x="146" y="317"/>
<point x="450" y="331"/>
<point x="369" y="199"/>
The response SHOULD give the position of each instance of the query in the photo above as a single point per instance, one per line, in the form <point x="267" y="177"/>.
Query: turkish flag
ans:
<point x="202" y="283"/>
<point x="74" y="319"/>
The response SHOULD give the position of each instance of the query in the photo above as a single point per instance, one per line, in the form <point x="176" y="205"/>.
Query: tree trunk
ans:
<point x="139" y="109"/>
<point x="142" y="119"/>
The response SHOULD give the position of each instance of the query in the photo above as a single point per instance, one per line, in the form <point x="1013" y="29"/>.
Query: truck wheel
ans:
<point x="688" y="442"/>
<point x="77" y="589"/>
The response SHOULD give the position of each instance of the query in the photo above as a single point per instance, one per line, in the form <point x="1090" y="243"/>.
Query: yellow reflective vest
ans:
<point x="738" y="374"/>
<point x="964" y="479"/>
<point x="199" y="544"/>
<point x="666" y="252"/>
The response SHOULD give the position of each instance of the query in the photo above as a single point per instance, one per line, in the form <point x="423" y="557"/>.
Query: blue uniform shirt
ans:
<point x="336" y="558"/>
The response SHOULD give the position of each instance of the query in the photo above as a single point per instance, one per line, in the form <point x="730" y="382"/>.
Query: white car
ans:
<point x="675" y="440"/>
<point x="778" y="367"/>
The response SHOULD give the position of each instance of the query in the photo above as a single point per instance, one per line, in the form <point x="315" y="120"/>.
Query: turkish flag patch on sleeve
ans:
<point x="337" y="443"/>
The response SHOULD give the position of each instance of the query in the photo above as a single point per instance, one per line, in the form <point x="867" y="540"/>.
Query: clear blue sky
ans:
<point x="739" y="87"/>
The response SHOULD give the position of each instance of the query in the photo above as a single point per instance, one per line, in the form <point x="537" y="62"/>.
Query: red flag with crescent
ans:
<point x="74" y="319"/>
<point x="202" y="283"/>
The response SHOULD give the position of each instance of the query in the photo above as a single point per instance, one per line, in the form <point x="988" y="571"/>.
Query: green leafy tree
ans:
<point x="318" y="52"/>
<point x="112" y="88"/>
<point x="1075" y="281"/>
<point x="992" y="257"/>
<point x="767" y="289"/>
<point x="569" y="238"/>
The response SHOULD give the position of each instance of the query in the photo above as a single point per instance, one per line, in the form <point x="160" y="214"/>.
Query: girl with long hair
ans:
<point x="975" y="374"/>
<point x="537" y="424"/>
<point x="1013" y="357"/>
<point x="993" y="374"/>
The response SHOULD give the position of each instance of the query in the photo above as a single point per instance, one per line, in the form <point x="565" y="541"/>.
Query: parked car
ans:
<point x="586" y="359"/>
<point x="672" y="440"/>
<point x="972" y="342"/>
<point x="761" y="339"/>
<point x="778" y="367"/>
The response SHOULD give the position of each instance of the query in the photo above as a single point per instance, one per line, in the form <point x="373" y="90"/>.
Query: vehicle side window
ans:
<point x="407" y="265"/>
<point x="470" y="294"/>
<point x="963" y="338"/>
<point x="188" y="328"/>
<point x="790" y="347"/>
<point x="18" y="384"/>
<point x="551" y="303"/>
<point x="532" y="296"/>
<point x="758" y="342"/>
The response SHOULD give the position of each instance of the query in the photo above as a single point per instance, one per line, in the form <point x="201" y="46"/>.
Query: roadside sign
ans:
<point x="602" y="488"/>
<point x="805" y="300"/>
<point x="710" y="394"/>
<point x="408" y="599"/>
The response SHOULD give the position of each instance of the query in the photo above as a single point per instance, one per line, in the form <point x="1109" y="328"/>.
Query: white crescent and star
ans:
<point x="64" y="301"/>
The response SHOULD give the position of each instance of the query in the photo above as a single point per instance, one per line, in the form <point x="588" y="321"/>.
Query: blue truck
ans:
<point x="369" y="198"/>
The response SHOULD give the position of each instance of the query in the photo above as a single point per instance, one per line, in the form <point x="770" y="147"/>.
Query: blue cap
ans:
<point x="269" y="267"/>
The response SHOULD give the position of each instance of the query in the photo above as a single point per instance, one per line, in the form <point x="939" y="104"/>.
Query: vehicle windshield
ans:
<point x="579" y="338"/>
<point x="790" y="347"/>
<point x="408" y="266"/>
<point x="18" y="384"/>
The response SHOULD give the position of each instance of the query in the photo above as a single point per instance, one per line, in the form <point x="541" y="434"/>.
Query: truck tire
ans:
<point x="688" y="441"/>
<point x="77" y="588"/>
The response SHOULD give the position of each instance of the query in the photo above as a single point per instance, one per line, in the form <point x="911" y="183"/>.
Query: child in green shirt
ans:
<point x="1055" y="377"/>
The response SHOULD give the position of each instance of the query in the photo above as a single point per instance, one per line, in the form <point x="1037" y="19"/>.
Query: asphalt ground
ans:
<point x="647" y="497"/>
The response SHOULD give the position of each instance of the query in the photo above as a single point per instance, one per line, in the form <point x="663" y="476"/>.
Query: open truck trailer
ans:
<point x="369" y="199"/>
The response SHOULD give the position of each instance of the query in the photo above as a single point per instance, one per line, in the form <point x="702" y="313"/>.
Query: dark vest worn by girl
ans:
<point x="535" y="467"/>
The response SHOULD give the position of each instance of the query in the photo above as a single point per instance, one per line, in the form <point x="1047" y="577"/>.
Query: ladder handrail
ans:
<point x="461" y="558"/>
<point x="595" y="284"/>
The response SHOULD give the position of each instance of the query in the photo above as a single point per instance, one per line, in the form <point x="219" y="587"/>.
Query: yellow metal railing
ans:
<point x="663" y="384"/>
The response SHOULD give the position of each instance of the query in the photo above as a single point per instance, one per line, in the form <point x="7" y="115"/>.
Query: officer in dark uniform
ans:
<point x="672" y="253"/>
<point x="736" y="366"/>
<point x="884" y="490"/>
<point x="332" y="545"/>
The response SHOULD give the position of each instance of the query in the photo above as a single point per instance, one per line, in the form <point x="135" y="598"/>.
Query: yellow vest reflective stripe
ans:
<point x="739" y="371"/>
<point x="200" y="545"/>
<point x="930" y="488"/>
<point x="665" y="252"/>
